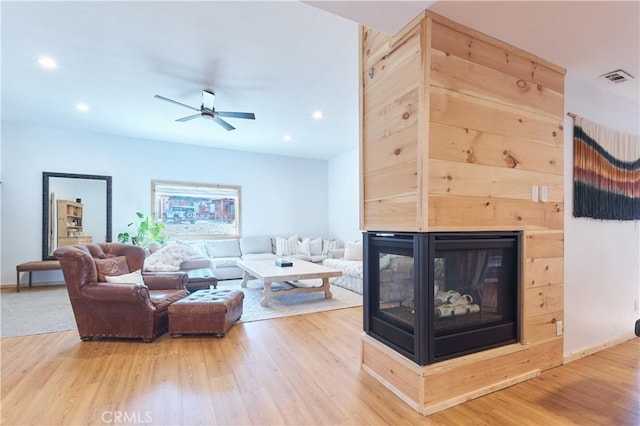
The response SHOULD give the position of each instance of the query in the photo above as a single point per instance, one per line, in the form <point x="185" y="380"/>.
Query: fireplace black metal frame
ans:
<point x="421" y="343"/>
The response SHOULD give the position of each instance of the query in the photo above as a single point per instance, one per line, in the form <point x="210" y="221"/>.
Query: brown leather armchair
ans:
<point x="110" y="310"/>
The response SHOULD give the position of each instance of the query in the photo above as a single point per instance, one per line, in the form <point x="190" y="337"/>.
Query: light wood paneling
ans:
<point x="543" y="272"/>
<point x="483" y="373"/>
<point x="397" y="181"/>
<point x="399" y="373"/>
<point x="541" y="328"/>
<point x="474" y="180"/>
<point x="390" y="63"/>
<point x="483" y="213"/>
<point x="544" y="244"/>
<point x="461" y="42"/>
<point x="391" y="97"/>
<point x="401" y="209"/>
<point x="457" y="74"/>
<point x="543" y="300"/>
<point x="458" y="128"/>
<point x="396" y="148"/>
<point x="455" y="109"/>
<point x="476" y="147"/>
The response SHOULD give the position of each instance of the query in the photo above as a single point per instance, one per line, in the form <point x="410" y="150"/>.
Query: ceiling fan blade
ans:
<point x="190" y="117"/>
<point x="249" y="115"/>
<point x="175" y="102"/>
<point x="223" y="123"/>
<point x="208" y="98"/>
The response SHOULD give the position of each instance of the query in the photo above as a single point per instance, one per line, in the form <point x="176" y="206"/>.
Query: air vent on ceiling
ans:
<point x="617" y="76"/>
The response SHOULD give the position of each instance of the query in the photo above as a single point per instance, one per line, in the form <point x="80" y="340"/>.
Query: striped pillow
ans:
<point x="286" y="246"/>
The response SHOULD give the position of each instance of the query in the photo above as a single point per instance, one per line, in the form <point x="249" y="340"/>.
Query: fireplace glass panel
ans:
<point x="396" y="295"/>
<point x="467" y="289"/>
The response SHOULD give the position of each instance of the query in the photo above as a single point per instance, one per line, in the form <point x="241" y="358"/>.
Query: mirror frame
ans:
<point x="45" y="206"/>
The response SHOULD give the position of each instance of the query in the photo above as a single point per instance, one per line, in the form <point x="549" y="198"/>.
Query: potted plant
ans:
<point x="147" y="231"/>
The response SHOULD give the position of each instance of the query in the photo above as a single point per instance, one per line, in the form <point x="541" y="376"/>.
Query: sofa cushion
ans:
<point x="225" y="262"/>
<point x="223" y="248"/>
<point x="196" y="263"/>
<point x="250" y="245"/>
<point x="318" y="258"/>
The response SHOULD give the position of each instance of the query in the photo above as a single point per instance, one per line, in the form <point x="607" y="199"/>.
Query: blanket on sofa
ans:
<point x="169" y="258"/>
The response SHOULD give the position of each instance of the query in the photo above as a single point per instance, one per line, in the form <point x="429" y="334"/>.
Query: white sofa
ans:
<point x="349" y="261"/>
<point x="224" y="255"/>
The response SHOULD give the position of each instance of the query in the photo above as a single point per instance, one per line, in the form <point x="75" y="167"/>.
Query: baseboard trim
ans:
<point x="590" y="351"/>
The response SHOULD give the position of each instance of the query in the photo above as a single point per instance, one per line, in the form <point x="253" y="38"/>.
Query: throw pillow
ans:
<point x="286" y="247"/>
<point x="111" y="266"/>
<point x="353" y="250"/>
<point x="330" y="245"/>
<point x="315" y="247"/>
<point x="303" y="247"/>
<point x="134" y="277"/>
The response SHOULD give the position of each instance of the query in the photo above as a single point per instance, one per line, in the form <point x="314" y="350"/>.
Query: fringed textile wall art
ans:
<point x="606" y="172"/>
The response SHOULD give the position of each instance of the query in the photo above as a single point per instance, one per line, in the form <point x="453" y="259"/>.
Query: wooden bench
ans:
<point x="38" y="265"/>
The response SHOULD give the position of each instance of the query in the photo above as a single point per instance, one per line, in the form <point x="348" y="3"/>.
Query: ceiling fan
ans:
<point x="207" y="110"/>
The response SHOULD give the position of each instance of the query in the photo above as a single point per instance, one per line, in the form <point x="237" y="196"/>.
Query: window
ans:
<point x="196" y="211"/>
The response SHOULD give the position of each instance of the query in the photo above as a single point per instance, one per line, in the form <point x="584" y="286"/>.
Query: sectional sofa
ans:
<point x="223" y="255"/>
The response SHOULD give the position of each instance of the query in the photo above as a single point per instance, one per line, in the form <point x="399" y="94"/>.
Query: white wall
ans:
<point x="280" y="195"/>
<point x="344" y="193"/>
<point x="602" y="269"/>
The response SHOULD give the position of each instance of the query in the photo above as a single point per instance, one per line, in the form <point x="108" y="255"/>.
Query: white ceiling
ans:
<point x="280" y="60"/>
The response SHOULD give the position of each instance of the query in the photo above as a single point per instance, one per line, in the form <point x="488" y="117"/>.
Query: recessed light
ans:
<point x="286" y="138"/>
<point x="47" y="63"/>
<point x="317" y="115"/>
<point x="81" y="106"/>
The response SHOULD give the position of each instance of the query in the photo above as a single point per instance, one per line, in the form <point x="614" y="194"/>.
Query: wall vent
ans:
<point x="617" y="76"/>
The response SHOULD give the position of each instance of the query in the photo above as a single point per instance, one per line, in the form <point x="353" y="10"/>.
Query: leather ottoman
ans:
<point x="206" y="312"/>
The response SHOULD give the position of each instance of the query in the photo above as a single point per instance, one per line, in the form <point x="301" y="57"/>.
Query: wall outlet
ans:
<point x="559" y="328"/>
<point x="534" y="193"/>
<point x="544" y="194"/>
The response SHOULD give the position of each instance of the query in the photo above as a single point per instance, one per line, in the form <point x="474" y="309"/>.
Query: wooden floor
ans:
<point x="296" y="370"/>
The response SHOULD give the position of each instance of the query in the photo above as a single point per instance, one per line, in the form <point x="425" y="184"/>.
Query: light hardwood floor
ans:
<point x="296" y="370"/>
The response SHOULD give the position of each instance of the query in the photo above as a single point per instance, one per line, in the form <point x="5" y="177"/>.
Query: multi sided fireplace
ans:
<point x="435" y="296"/>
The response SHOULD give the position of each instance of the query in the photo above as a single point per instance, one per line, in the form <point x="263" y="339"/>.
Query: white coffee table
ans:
<point x="268" y="272"/>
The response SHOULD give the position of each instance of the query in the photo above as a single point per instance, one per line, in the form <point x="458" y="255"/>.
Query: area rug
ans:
<point x="35" y="311"/>
<point x="284" y="305"/>
<point x="48" y="310"/>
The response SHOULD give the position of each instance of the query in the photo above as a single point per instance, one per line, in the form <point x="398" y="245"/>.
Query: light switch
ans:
<point x="534" y="193"/>
<point x="544" y="194"/>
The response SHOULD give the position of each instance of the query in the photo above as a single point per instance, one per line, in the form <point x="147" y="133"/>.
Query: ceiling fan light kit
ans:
<point x="208" y="110"/>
